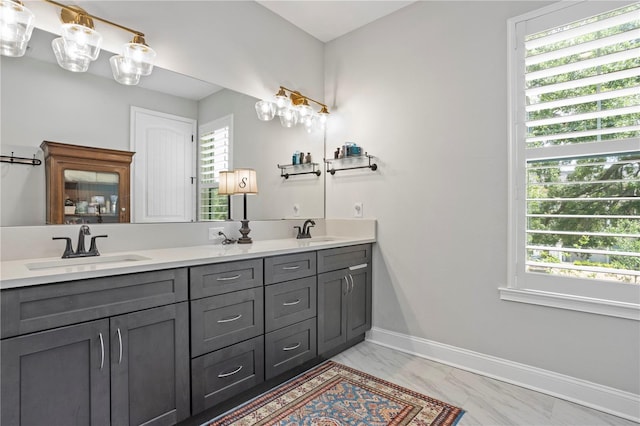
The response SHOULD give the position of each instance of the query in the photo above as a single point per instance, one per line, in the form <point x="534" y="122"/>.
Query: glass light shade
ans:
<point x="323" y="117"/>
<point x="123" y="71"/>
<point x="69" y="63"/>
<point x="141" y="56"/>
<point x="283" y="103"/>
<point x="289" y="117"/>
<point x="16" y="26"/>
<point x="246" y="181"/>
<point x="304" y="111"/>
<point x="266" y="110"/>
<point x="81" y="41"/>
<point x="227" y="182"/>
<point x="309" y="123"/>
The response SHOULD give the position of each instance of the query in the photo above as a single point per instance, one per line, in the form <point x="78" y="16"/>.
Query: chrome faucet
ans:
<point x="304" y="232"/>
<point x="80" y="250"/>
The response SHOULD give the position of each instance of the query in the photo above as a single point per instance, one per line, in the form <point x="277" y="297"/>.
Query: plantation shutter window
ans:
<point x="214" y="156"/>
<point x="575" y="145"/>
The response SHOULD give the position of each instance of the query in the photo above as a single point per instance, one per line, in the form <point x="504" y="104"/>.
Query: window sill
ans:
<point x="575" y="303"/>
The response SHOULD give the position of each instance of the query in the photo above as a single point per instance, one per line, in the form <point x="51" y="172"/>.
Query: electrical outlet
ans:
<point x="213" y="233"/>
<point x="296" y="210"/>
<point x="357" y="209"/>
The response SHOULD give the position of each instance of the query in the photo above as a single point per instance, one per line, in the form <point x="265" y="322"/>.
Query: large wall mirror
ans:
<point x="41" y="101"/>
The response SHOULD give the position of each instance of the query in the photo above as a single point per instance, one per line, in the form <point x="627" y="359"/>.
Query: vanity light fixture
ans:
<point x="16" y="26"/>
<point x="79" y="43"/>
<point x="246" y="182"/>
<point x="293" y="109"/>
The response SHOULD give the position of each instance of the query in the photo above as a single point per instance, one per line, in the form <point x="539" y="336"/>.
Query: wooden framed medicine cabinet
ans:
<point x="85" y="184"/>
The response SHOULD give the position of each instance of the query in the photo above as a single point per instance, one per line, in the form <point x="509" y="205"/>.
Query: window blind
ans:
<point x="582" y="104"/>
<point x="214" y="157"/>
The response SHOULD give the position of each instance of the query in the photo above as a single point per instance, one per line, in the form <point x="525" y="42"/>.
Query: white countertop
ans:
<point x="21" y="273"/>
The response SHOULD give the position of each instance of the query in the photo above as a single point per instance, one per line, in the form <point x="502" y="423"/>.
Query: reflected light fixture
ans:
<point x="293" y="109"/>
<point x="79" y="43"/>
<point x="246" y="182"/>
<point x="16" y="26"/>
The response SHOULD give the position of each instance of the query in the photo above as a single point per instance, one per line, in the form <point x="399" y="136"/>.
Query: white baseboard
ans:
<point x="592" y="395"/>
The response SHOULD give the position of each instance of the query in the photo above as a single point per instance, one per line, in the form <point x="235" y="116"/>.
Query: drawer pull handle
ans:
<point x="291" y="268"/>
<point x="356" y="267"/>
<point x="120" y="344"/>
<point x="223" y="375"/>
<point x="237" y="317"/>
<point x="235" y="277"/>
<point x="290" y="348"/>
<point x="295" y="302"/>
<point x="101" y="351"/>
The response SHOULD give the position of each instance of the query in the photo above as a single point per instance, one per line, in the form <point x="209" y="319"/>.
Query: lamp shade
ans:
<point x="227" y="183"/>
<point x="266" y="110"/>
<point x="246" y="181"/>
<point x="69" y="62"/>
<point x="81" y="41"/>
<point x="16" y="26"/>
<point x="124" y="72"/>
<point x="142" y="57"/>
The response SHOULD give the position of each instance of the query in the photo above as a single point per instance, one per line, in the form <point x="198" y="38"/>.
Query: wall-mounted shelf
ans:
<point x="299" y="169"/>
<point x="20" y="160"/>
<point x="347" y="163"/>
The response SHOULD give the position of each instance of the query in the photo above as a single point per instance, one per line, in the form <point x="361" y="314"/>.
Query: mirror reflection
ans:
<point x="42" y="102"/>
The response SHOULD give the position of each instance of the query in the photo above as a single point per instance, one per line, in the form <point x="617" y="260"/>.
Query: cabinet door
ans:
<point x="150" y="366"/>
<point x="332" y="310"/>
<point x="59" y="376"/>
<point x="359" y="302"/>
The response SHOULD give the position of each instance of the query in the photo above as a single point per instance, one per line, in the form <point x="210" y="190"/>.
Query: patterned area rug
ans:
<point x="332" y="394"/>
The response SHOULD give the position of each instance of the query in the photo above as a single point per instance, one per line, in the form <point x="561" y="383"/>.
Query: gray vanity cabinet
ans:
<point x="290" y="312"/>
<point x="227" y="330"/>
<point x="150" y="366"/>
<point x="344" y="295"/>
<point x="128" y="365"/>
<point x="58" y="376"/>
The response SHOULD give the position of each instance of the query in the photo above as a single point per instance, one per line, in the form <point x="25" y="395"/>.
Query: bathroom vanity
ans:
<point x="155" y="342"/>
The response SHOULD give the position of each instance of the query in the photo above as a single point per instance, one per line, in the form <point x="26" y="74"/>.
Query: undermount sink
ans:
<point x="78" y="261"/>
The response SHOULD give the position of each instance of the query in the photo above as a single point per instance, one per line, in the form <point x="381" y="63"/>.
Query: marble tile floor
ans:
<point x="487" y="402"/>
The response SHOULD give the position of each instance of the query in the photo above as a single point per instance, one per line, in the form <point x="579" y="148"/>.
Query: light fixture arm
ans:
<point x="79" y="11"/>
<point x="295" y="93"/>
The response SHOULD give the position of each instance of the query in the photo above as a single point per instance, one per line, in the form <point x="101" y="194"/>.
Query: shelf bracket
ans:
<point x="333" y="170"/>
<point x="286" y="175"/>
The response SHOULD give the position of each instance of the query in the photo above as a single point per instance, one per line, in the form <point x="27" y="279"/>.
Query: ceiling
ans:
<point x="327" y="20"/>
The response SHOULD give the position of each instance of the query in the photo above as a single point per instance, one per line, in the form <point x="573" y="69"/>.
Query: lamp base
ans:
<point x="245" y="231"/>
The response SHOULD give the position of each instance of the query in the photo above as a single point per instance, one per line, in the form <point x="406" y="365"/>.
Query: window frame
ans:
<point x="586" y="295"/>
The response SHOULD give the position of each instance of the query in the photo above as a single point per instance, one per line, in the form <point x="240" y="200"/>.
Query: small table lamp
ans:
<point x="245" y="183"/>
<point x="227" y="180"/>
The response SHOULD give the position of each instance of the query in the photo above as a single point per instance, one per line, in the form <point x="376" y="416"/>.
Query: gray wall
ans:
<point x="41" y="101"/>
<point x="425" y="90"/>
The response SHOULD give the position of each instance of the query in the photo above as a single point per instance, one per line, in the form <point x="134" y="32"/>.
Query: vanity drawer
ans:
<point x="220" y="278"/>
<point x="227" y="319"/>
<point x="289" y="302"/>
<point x="343" y="257"/>
<point x="289" y="347"/>
<point x="289" y="267"/>
<point x="36" y="308"/>
<point x="223" y="374"/>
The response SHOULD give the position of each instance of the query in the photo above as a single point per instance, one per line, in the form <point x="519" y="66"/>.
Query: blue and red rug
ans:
<point x="332" y="394"/>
